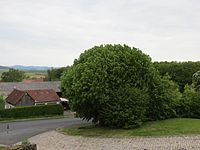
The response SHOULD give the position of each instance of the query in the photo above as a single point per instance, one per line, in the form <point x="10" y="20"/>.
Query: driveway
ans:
<point x="25" y="129"/>
<point x="53" y="140"/>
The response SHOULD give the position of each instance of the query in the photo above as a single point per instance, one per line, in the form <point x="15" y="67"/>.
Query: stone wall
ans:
<point x="23" y="147"/>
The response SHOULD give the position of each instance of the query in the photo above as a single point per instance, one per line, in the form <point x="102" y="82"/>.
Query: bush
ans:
<point x="190" y="103"/>
<point x="101" y="84"/>
<point x="32" y="111"/>
<point x="195" y="106"/>
<point x="2" y="102"/>
<point x="184" y="108"/>
<point x="165" y="98"/>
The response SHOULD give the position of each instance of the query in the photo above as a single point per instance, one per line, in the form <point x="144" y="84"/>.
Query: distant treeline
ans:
<point x="180" y="72"/>
<point x="54" y="74"/>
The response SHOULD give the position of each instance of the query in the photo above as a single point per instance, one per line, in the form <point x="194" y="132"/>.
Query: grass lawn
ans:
<point x="156" y="128"/>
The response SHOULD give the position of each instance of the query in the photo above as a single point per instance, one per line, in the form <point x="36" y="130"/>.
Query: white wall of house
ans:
<point x="47" y="103"/>
<point x="8" y="106"/>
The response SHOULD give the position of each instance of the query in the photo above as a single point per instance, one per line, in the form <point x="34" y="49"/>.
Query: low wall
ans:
<point x="23" y="147"/>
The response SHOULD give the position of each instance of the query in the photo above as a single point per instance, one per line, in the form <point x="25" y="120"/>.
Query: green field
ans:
<point x="30" y="73"/>
<point x="168" y="127"/>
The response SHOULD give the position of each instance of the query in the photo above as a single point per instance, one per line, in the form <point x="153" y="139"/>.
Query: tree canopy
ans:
<point x="180" y="72"/>
<point x="54" y="74"/>
<point x="119" y="86"/>
<point x="13" y="75"/>
<point x="196" y="80"/>
<point x="109" y="84"/>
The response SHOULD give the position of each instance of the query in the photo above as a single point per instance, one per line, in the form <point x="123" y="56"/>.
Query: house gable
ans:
<point x="25" y="100"/>
<point x="14" y="97"/>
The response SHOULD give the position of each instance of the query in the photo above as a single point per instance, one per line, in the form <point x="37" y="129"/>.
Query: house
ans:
<point x="31" y="97"/>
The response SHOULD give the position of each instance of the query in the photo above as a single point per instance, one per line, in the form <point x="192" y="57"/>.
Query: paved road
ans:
<point x="26" y="129"/>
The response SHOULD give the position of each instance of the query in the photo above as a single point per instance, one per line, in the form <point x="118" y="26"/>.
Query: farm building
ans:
<point x="31" y="97"/>
<point x="7" y="87"/>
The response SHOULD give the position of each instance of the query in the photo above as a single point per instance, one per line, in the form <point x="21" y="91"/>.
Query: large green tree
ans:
<point x="110" y="85"/>
<point x="13" y="75"/>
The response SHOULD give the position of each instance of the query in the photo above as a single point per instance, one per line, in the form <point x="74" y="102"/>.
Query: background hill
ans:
<point x="4" y="67"/>
<point x="30" y="71"/>
<point x="20" y="67"/>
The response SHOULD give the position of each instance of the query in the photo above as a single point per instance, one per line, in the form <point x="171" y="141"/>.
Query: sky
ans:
<point x="55" y="32"/>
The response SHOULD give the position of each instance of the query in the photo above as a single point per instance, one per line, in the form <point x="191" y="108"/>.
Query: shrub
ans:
<point x="25" y="141"/>
<point x="165" y="98"/>
<point x="195" y="106"/>
<point x="2" y="102"/>
<point x="190" y="103"/>
<point x="184" y="108"/>
<point x="32" y="111"/>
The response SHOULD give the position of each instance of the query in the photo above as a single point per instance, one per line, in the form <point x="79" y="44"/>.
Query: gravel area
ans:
<point x="56" y="141"/>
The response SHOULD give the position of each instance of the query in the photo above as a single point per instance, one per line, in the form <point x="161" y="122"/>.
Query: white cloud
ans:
<point x="54" y="33"/>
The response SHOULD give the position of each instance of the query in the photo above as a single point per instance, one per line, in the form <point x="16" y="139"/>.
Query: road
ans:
<point x="25" y="129"/>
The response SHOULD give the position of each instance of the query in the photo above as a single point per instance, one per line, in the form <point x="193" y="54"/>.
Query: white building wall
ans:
<point x="8" y="106"/>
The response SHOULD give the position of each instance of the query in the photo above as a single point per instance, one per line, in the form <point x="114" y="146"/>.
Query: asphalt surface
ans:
<point x="13" y="132"/>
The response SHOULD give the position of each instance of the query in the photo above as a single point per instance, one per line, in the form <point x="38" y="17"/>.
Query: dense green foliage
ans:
<point x="13" y="75"/>
<point x="110" y="85"/>
<point x="55" y="74"/>
<point x="2" y="102"/>
<point x="119" y="86"/>
<point x="165" y="98"/>
<point x="127" y="109"/>
<point x="190" y="103"/>
<point x="180" y="72"/>
<point x="196" y="80"/>
<point x="32" y="111"/>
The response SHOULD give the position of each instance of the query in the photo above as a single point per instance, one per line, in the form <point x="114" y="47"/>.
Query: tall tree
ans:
<point x="13" y="75"/>
<point x="109" y="84"/>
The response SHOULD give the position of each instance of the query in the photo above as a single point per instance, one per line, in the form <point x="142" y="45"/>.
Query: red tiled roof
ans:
<point x="38" y="96"/>
<point x="47" y="95"/>
<point x="14" y="96"/>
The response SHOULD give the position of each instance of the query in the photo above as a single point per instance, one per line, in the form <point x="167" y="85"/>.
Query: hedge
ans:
<point x="32" y="111"/>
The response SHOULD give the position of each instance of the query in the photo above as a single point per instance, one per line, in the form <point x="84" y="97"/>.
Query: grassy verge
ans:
<point x="168" y="127"/>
